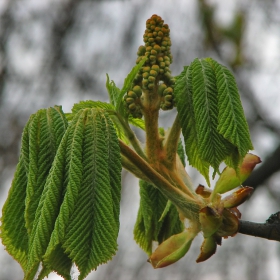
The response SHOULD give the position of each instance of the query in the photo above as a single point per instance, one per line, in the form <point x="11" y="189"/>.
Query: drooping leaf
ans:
<point x="45" y="133"/>
<point x="40" y="140"/>
<point x="205" y="103"/>
<point x="150" y="225"/>
<point x="102" y="105"/>
<point x="211" y="116"/>
<point x="231" y="119"/>
<point x="13" y="231"/>
<point x="184" y="101"/>
<point x="50" y="201"/>
<point x="87" y="225"/>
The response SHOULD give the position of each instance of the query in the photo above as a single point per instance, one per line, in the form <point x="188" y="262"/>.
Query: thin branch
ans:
<point x="269" y="230"/>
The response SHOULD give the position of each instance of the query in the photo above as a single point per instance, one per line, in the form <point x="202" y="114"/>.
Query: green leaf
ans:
<point x="13" y="232"/>
<point x="45" y="133"/>
<point x="41" y="137"/>
<point x="205" y="103"/>
<point x="113" y="91"/>
<point x="136" y="122"/>
<point x="184" y="100"/>
<point x="49" y="204"/>
<point x="88" y="221"/>
<point x="231" y="119"/>
<point x="90" y="104"/>
<point x="151" y="225"/>
<point x="128" y="82"/>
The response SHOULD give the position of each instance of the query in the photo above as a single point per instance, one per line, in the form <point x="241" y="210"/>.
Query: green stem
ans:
<point x="130" y="135"/>
<point x="187" y="204"/>
<point x="151" y="105"/>
<point x="129" y="166"/>
<point x="172" y="140"/>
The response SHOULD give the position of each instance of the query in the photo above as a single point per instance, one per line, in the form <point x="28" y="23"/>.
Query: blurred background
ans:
<point x="58" y="52"/>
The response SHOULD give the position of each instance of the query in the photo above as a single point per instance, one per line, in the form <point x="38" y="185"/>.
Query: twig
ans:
<point x="268" y="230"/>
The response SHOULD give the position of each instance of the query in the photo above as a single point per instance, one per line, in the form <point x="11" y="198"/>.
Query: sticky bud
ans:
<point x="238" y="197"/>
<point x="210" y="220"/>
<point x="171" y="250"/>
<point x="229" y="180"/>
<point x="203" y="191"/>
<point x="207" y="249"/>
<point x="229" y="226"/>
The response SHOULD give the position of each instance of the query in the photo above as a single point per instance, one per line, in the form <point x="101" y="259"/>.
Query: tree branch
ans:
<point x="268" y="230"/>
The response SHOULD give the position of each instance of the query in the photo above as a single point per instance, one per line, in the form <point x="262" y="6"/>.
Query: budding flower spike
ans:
<point x="155" y="75"/>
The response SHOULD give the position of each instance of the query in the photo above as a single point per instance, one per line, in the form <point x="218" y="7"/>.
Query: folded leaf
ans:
<point x="171" y="250"/>
<point x="207" y="249"/>
<point x="229" y="179"/>
<point x="238" y="197"/>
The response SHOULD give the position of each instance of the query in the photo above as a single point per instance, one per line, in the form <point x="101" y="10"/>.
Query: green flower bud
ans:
<point x="137" y="90"/>
<point x="129" y="100"/>
<point x="132" y="94"/>
<point x="161" y="88"/>
<point x="153" y="73"/>
<point x="141" y="50"/>
<point x="168" y="91"/>
<point x="145" y="82"/>
<point x="155" y="68"/>
<point x="146" y="75"/>
<point x="168" y="98"/>
<point x="132" y="107"/>
<point x="153" y="52"/>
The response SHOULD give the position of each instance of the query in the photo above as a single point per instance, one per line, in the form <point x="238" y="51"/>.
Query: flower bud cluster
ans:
<point x="132" y="101"/>
<point x="157" y="49"/>
<point x="155" y="73"/>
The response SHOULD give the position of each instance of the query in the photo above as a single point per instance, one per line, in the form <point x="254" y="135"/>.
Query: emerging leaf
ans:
<point x="171" y="250"/>
<point x="113" y="91"/>
<point x="229" y="180"/>
<point x="128" y="82"/>
<point x="238" y="197"/>
<point x="207" y="249"/>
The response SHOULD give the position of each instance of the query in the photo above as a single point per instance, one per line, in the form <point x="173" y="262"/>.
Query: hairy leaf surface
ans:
<point x="45" y="133"/>
<point x="87" y="224"/>
<point x="231" y="119"/>
<point x="205" y="103"/>
<point x="184" y="100"/>
<point x="41" y="137"/>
